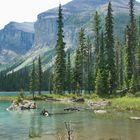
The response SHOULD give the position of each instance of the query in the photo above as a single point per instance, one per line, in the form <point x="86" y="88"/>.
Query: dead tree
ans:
<point x="69" y="131"/>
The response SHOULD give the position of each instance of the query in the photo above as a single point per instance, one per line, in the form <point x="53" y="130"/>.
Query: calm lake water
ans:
<point x="86" y="124"/>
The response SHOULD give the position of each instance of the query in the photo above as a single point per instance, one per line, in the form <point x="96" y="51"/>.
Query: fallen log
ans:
<point x="135" y="118"/>
<point x="72" y="109"/>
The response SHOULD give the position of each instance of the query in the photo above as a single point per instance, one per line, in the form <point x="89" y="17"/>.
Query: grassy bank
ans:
<point x="8" y="98"/>
<point x="122" y="103"/>
<point x="126" y="103"/>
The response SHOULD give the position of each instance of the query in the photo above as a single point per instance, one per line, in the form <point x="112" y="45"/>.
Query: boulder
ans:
<point x="23" y="105"/>
<point x="100" y="111"/>
<point x="100" y="104"/>
<point x="79" y="100"/>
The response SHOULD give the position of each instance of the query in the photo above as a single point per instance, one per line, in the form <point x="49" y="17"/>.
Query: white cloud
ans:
<point x="24" y="10"/>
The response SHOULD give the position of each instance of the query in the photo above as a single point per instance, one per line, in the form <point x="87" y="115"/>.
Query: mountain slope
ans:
<point x="77" y="14"/>
<point x="16" y="39"/>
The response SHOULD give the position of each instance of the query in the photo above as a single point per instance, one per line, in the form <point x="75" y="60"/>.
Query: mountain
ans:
<point x="77" y="14"/>
<point x="16" y="39"/>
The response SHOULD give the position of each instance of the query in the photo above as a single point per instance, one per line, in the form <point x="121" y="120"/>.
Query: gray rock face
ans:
<point x="77" y="14"/>
<point x="15" y="40"/>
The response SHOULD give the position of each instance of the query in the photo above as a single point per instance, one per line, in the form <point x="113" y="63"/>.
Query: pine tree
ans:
<point x="40" y="74"/>
<point x="109" y="50"/>
<point x="138" y="56"/>
<point x="130" y="48"/>
<point x="121" y="67"/>
<point x="80" y="62"/>
<point x="89" y="66"/>
<point x="97" y="28"/>
<point x="68" y="73"/>
<point x="50" y="83"/>
<point x="101" y="78"/>
<point x="60" y="64"/>
<point x="77" y="73"/>
<point x="33" y="81"/>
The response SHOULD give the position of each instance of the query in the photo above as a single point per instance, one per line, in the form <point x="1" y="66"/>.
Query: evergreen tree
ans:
<point x="40" y="74"/>
<point x="81" y="62"/>
<point x="60" y="62"/>
<point x="89" y="66"/>
<point x="130" y="48"/>
<point x="109" y="50"/>
<point x="96" y="29"/>
<point x="121" y="67"/>
<point x="51" y="83"/>
<point x="33" y="81"/>
<point x="77" y="73"/>
<point x="101" y="78"/>
<point x="68" y="73"/>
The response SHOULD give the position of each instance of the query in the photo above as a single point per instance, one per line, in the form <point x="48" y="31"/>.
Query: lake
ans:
<point x="85" y="124"/>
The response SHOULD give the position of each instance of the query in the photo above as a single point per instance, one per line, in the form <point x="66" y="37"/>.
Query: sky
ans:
<point x="25" y="10"/>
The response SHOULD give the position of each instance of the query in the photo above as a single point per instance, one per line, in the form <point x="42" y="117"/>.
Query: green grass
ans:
<point x="8" y="98"/>
<point x="126" y="103"/>
<point x="121" y="103"/>
<point x="93" y="97"/>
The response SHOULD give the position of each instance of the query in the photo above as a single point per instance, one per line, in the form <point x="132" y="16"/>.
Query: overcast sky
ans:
<point x="24" y="10"/>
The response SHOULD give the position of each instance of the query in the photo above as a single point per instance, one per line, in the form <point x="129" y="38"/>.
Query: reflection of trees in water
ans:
<point x="35" y="129"/>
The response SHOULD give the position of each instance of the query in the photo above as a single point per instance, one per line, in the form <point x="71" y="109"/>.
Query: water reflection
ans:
<point x="35" y="129"/>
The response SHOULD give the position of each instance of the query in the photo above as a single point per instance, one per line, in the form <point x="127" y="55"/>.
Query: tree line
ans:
<point x="102" y="64"/>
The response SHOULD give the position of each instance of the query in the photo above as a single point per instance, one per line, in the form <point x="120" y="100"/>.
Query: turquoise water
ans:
<point x="86" y="125"/>
<point x="12" y="93"/>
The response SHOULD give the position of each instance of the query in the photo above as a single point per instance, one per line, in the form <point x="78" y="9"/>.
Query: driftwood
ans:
<point x="72" y="109"/>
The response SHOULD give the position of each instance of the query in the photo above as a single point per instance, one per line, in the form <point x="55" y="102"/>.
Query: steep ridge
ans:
<point x="77" y="14"/>
<point x="16" y="39"/>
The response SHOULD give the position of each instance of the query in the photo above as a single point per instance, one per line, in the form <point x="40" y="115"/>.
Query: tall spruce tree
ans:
<point x="130" y="48"/>
<point x="68" y="73"/>
<point x="90" y="72"/>
<point x="101" y="78"/>
<point x="109" y="51"/>
<point x="40" y="78"/>
<point x="81" y="62"/>
<point x="96" y="29"/>
<point x="60" y="62"/>
<point x="33" y="80"/>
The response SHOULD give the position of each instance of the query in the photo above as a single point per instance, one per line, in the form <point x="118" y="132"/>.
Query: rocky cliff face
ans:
<point x="16" y="39"/>
<point x="77" y="14"/>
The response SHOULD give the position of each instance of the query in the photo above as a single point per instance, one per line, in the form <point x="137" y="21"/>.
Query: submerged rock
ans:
<point x="100" y="104"/>
<point x="100" y="111"/>
<point x="135" y="118"/>
<point x="23" y="105"/>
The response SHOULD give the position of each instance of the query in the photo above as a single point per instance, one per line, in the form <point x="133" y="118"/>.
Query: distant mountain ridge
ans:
<point x="16" y="39"/>
<point x="77" y="14"/>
